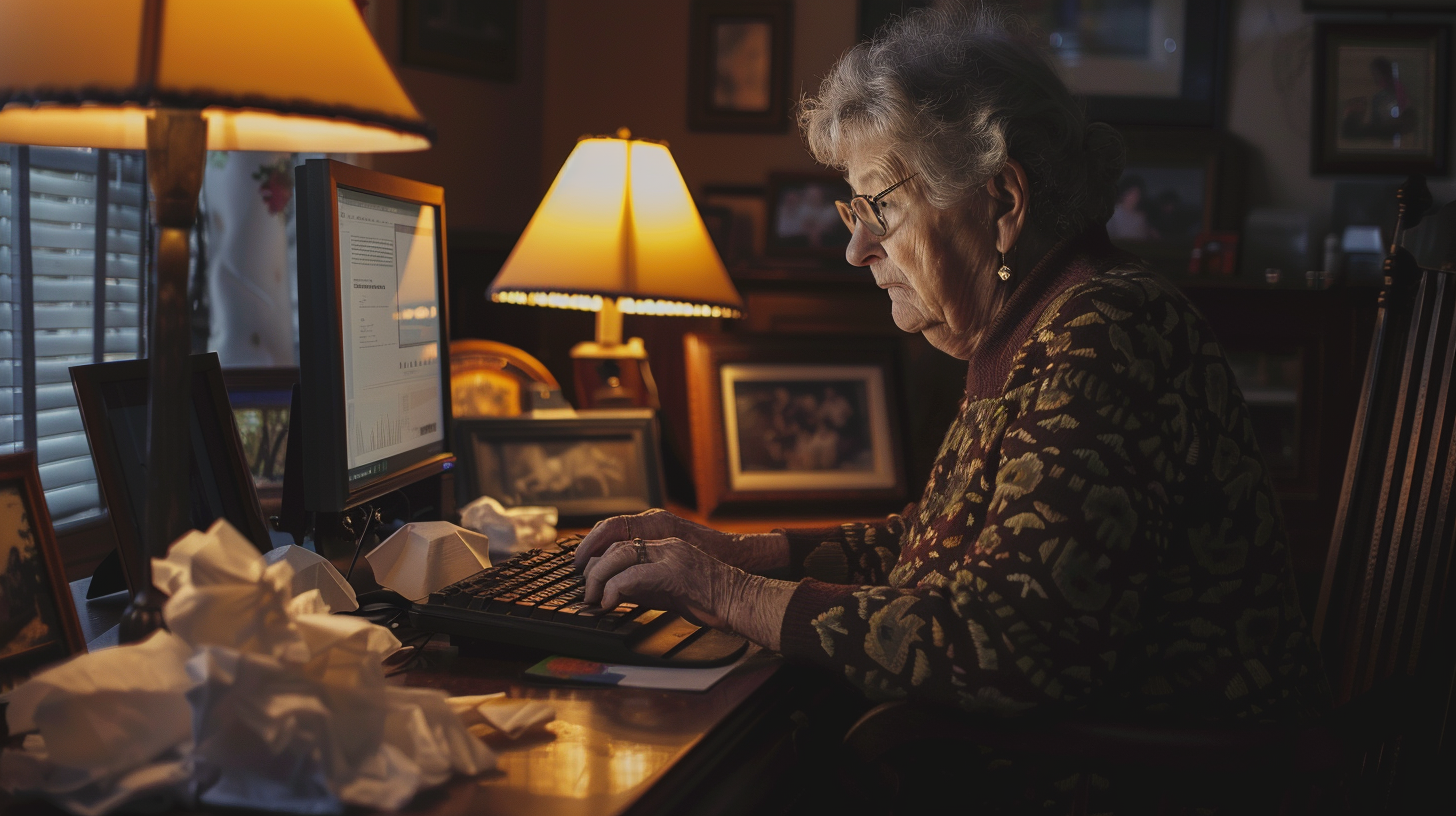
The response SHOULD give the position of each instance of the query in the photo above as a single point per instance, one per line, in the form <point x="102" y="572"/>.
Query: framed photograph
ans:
<point x="794" y="419"/>
<point x="38" y="623"/>
<point x="1177" y="185"/>
<point x="1381" y="98"/>
<point x="738" y="65"/>
<point x="737" y="218"/>
<point x="260" y="400"/>
<point x="474" y="38"/>
<point x="802" y="218"/>
<point x="1152" y="62"/>
<point x="591" y="466"/>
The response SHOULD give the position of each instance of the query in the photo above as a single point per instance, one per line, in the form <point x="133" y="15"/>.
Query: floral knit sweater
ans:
<point x="1099" y="531"/>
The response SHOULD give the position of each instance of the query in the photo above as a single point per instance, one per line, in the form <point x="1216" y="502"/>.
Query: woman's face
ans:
<point x="934" y="263"/>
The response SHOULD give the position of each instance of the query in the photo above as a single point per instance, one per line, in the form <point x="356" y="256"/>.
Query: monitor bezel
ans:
<point x="87" y="381"/>
<point x="321" y="340"/>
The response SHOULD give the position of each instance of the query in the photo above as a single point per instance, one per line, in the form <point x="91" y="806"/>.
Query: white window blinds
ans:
<point x="71" y="244"/>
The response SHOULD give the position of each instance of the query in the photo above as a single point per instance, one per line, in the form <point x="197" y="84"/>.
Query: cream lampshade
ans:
<point x="617" y="234"/>
<point x="179" y="77"/>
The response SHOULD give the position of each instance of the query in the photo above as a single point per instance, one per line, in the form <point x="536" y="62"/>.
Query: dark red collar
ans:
<point x="1071" y="261"/>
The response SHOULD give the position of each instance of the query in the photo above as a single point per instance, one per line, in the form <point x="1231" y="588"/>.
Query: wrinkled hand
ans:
<point x="751" y="552"/>
<point x="680" y="577"/>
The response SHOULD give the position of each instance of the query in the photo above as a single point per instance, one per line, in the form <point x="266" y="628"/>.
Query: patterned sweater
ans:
<point x="1099" y="531"/>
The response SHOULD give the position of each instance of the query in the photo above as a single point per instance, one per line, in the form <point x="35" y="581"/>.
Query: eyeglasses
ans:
<point x="866" y="208"/>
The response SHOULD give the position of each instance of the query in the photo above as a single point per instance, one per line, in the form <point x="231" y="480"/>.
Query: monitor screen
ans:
<point x="373" y="349"/>
<point x="391" y="333"/>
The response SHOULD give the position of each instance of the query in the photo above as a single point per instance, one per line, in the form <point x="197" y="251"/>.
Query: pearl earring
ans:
<point x="1004" y="273"/>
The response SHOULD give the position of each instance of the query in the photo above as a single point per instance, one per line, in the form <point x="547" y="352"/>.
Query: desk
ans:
<point x="610" y="750"/>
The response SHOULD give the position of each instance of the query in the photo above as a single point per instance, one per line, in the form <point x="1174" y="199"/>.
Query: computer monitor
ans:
<point x="112" y="398"/>
<point x="373" y="353"/>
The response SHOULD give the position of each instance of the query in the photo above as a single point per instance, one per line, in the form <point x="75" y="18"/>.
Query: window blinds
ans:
<point x="71" y="246"/>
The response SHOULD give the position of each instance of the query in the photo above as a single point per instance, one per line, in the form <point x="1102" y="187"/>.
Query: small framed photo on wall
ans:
<point x="38" y="624"/>
<point x="794" y="419"/>
<point x="802" y="218"/>
<point x="1381" y="98"/>
<point x="738" y="65"/>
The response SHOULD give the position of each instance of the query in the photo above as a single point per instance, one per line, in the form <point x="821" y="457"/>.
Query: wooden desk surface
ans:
<point x="609" y="750"/>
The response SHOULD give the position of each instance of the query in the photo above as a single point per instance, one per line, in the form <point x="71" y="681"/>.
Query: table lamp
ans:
<point x="178" y="78"/>
<point x="617" y="234"/>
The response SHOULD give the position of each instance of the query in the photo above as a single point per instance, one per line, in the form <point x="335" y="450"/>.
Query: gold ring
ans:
<point x="641" y="547"/>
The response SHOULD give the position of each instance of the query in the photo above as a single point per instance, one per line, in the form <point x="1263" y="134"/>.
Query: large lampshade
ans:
<point x="618" y="225"/>
<point x="266" y="74"/>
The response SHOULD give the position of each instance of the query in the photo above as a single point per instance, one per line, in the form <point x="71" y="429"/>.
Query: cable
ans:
<point x="370" y="519"/>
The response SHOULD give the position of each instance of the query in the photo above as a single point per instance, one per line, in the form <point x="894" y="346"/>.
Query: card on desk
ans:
<point x="573" y="670"/>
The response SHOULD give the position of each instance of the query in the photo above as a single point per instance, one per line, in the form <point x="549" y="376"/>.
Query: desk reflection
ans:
<point x="603" y="750"/>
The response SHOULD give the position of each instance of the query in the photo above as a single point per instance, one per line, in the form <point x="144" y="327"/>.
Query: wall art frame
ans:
<point x="740" y="57"/>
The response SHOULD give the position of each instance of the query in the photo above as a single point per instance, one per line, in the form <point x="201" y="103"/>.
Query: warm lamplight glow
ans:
<point x="618" y="222"/>
<point x="267" y="75"/>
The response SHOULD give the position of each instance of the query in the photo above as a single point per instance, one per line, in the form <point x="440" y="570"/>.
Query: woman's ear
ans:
<point x="1011" y="194"/>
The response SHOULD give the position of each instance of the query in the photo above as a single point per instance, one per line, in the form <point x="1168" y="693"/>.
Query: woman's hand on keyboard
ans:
<point x="751" y="552"/>
<point x="676" y="575"/>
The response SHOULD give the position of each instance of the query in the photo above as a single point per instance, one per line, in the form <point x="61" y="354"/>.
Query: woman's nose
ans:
<point x="864" y="247"/>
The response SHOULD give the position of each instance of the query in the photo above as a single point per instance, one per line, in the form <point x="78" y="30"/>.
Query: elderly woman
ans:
<point x="1099" y="529"/>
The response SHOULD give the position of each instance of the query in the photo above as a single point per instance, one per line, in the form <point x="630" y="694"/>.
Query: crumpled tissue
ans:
<point x="256" y="696"/>
<point x="425" y="556"/>
<point x="511" y="529"/>
<point x="313" y="571"/>
<point x="512" y="718"/>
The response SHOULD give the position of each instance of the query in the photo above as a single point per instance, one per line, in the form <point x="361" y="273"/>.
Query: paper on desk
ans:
<point x="313" y="571"/>
<point x="511" y="530"/>
<point x="511" y="717"/>
<point x="571" y="669"/>
<point x="255" y="697"/>
<point x="425" y="556"/>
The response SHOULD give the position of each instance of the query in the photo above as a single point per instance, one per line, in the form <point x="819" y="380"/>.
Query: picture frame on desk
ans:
<point x="739" y="58"/>
<point x="261" y="399"/>
<point x="1382" y="98"/>
<point x="736" y="216"/>
<point x="589" y="466"/>
<point x="805" y="420"/>
<point x="802" y="219"/>
<point x="38" y="622"/>
<point x="1178" y="184"/>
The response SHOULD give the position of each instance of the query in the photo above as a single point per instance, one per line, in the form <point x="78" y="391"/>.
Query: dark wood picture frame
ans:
<point x="822" y="233"/>
<point x="637" y="428"/>
<point x="108" y="396"/>
<point x="720" y="486"/>
<point x="268" y="393"/>
<point x="1218" y="160"/>
<point x="47" y="617"/>
<point x="706" y="110"/>
<point x="1331" y="117"/>
<point x="485" y="45"/>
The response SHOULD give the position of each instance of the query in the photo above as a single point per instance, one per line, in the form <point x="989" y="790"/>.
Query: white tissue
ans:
<point x="511" y="529"/>
<point x="424" y="556"/>
<point x="255" y="697"/>
<point x="313" y="571"/>
<point x="512" y="718"/>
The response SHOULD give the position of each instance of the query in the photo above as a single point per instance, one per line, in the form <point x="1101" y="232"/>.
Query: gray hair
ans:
<point x="952" y="95"/>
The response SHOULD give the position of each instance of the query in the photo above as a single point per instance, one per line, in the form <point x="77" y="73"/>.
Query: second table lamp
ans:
<point x="617" y="234"/>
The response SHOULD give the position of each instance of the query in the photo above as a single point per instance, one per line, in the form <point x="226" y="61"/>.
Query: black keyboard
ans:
<point x="535" y="599"/>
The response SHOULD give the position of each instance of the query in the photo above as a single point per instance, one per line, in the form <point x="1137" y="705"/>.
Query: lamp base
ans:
<point x="614" y="375"/>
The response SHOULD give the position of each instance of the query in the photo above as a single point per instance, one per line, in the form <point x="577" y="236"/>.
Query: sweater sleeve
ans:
<point x="853" y="552"/>
<point x="1043" y="605"/>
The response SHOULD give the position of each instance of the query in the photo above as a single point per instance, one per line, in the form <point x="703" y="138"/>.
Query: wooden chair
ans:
<point x="1384" y="619"/>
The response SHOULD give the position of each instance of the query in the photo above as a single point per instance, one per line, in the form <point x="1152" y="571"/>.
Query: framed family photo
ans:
<point x="1177" y="185"/>
<point x="1381" y="98"/>
<point x="473" y="38"/>
<point x="38" y="623"/>
<point x="778" y="419"/>
<point x="261" y="399"/>
<point x="802" y="218"/>
<point x="738" y="65"/>
<point x="591" y="466"/>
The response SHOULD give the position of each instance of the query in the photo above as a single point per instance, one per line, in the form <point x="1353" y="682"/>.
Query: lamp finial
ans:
<point x="623" y="133"/>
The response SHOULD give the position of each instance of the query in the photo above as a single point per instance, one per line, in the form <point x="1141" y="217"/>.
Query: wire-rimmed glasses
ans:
<point x="866" y="208"/>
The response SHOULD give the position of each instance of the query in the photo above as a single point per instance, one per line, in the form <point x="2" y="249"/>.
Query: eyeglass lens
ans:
<point x="863" y="209"/>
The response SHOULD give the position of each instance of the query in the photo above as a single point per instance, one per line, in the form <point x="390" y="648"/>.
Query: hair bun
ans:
<point x="1106" y="158"/>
